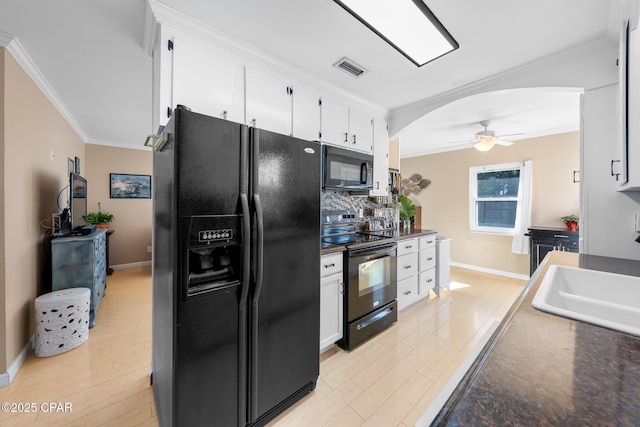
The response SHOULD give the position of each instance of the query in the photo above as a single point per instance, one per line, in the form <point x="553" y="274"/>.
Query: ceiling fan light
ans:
<point x="484" y="143"/>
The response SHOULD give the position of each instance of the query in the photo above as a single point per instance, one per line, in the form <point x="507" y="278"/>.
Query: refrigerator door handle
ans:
<point x="246" y="232"/>
<point x="259" y="248"/>
<point x="253" y="409"/>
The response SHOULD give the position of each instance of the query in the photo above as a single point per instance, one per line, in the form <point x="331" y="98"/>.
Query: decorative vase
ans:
<point x="406" y="224"/>
<point x="572" y="226"/>
<point x="106" y="225"/>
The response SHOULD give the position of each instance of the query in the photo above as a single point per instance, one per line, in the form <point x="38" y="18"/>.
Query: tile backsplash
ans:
<point x="370" y="208"/>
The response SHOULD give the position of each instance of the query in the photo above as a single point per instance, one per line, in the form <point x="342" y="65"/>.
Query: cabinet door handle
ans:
<point x="406" y="267"/>
<point x="224" y="114"/>
<point x="560" y="236"/>
<point x="333" y="264"/>
<point x="429" y="259"/>
<point x="354" y="139"/>
<point x="407" y="292"/>
<point x="429" y="241"/>
<point x="408" y="246"/>
<point x="429" y="280"/>
<point x="616" y="175"/>
<point x="346" y="137"/>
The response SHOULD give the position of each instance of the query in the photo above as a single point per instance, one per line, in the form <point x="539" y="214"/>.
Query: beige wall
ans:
<point x="133" y="218"/>
<point x="33" y="129"/>
<point x="445" y="202"/>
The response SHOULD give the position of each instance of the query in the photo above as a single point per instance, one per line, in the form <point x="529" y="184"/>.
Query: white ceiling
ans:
<point x="91" y="57"/>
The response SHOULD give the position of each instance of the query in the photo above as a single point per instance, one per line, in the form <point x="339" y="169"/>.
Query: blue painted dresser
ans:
<point x="80" y="261"/>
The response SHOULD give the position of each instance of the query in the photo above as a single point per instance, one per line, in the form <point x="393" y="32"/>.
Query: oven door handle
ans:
<point x="375" y="318"/>
<point x="368" y="253"/>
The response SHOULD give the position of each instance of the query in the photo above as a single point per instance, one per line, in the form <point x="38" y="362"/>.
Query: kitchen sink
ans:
<point x="605" y="299"/>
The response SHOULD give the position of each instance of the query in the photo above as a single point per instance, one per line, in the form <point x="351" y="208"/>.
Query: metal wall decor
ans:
<point x="414" y="184"/>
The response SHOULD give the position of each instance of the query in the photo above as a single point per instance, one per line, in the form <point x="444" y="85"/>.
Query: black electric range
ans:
<point x="341" y="228"/>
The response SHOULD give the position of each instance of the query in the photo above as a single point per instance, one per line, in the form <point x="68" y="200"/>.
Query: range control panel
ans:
<point x="215" y="235"/>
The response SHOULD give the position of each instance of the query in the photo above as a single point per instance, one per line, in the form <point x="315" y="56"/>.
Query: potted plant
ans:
<point x="100" y="219"/>
<point x="406" y="210"/>
<point x="571" y="221"/>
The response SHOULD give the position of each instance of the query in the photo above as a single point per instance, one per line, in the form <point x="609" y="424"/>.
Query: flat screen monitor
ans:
<point x="77" y="202"/>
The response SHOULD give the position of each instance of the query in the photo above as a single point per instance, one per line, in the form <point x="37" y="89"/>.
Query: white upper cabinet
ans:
<point x="360" y="130"/>
<point x="625" y="168"/>
<point x="199" y="76"/>
<point x="280" y="104"/>
<point x="194" y="71"/>
<point x="162" y="67"/>
<point x="306" y="112"/>
<point x="335" y="121"/>
<point x="380" y="158"/>
<point x="346" y="126"/>
<point x="206" y="82"/>
<point x="268" y="100"/>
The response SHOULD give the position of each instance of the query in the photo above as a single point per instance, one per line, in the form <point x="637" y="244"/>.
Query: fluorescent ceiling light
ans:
<point x="407" y="25"/>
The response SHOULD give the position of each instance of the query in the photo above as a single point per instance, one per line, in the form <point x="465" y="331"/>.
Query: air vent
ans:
<point x="348" y="66"/>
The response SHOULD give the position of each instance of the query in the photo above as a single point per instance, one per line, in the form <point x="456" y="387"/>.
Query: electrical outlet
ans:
<point x="149" y="249"/>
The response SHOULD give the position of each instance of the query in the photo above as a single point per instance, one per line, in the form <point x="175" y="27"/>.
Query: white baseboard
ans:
<point x="7" y="377"/>
<point x="490" y="270"/>
<point x="130" y="265"/>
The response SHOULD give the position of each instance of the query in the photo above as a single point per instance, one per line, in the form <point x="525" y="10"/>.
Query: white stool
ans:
<point x="62" y="321"/>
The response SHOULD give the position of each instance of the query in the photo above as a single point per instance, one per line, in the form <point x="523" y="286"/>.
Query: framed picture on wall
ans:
<point x="128" y="186"/>
<point x="70" y="165"/>
<point x="77" y="165"/>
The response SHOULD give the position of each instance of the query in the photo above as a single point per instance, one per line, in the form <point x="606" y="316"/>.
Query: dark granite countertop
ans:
<point x="541" y="369"/>
<point x="412" y="232"/>
<point x="330" y="248"/>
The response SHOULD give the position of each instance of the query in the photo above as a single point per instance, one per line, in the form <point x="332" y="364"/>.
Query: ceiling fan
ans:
<point x="484" y="140"/>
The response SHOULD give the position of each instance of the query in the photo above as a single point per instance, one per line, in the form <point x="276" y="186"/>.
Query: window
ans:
<point x="494" y="197"/>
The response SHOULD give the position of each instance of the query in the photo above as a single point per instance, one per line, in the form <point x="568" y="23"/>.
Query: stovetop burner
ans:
<point x="341" y="228"/>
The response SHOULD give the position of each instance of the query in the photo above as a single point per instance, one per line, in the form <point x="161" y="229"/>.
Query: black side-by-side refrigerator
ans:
<point x="236" y="272"/>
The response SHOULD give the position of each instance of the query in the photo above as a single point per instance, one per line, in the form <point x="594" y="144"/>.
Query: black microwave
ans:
<point x="346" y="170"/>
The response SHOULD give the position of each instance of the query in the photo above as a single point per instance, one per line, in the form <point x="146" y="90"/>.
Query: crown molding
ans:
<point x="13" y="45"/>
<point x="119" y="145"/>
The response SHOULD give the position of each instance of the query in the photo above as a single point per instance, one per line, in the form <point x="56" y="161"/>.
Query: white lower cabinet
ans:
<point x="407" y="273"/>
<point x="427" y="264"/>
<point x="331" y="292"/>
<point x="416" y="270"/>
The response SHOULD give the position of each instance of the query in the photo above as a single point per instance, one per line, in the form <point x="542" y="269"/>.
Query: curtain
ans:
<point x="520" y="243"/>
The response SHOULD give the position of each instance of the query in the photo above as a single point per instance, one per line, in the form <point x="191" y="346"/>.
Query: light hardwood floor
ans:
<point x="388" y="381"/>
